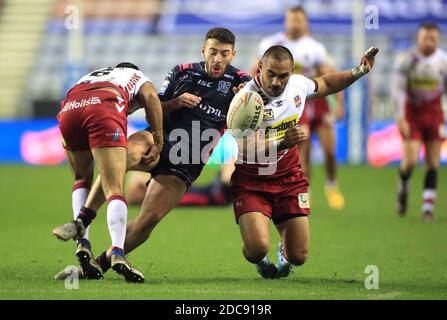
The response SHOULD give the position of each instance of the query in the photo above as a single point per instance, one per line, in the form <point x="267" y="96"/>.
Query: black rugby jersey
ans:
<point x="211" y="113"/>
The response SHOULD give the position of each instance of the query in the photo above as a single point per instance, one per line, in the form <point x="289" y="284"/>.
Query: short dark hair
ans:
<point x="429" y="25"/>
<point x="298" y="9"/>
<point x="222" y="35"/>
<point x="127" y="65"/>
<point x="278" y="52"/>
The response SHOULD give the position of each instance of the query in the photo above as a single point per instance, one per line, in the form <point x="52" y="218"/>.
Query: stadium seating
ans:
<point x="21" y="28"/>
<point x="152" y="34"/>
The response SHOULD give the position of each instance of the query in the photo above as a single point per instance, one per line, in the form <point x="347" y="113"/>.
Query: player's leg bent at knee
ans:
<point x="138" y="144"/>
<point x="81" y="165"/>
<point x="162" y="195"/>
<point x="295" y="238"/>
<point x="111" y="163"/>
<point x="136" y="187"/>
<point x="294" y="245"/>
<point x="254" y="228"/>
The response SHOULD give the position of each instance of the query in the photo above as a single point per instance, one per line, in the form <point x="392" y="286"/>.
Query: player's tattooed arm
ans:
<point x="335" y="82"/>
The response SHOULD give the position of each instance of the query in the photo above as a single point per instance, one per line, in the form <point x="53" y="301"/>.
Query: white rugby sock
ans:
<point x="429" y="196"/>
<point x="78" y="199"/>
<point x="117" y="220"/>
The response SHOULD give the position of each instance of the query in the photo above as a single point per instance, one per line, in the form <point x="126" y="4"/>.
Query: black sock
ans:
<point x="86" y="215"/>
<point x="405" y="177"/>
<point x="103" y="262"/>
<point x="431" y="179"/>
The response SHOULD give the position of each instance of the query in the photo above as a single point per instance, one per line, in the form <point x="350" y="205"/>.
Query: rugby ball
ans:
<point x="245" y="113"/>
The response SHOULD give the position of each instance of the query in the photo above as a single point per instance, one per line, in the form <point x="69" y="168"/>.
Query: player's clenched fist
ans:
<point x="187" y="100"/>
<point x="294" y="135"/>
<point x="366" y="63"/>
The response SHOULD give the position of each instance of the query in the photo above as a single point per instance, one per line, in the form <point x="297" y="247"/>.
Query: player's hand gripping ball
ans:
<point x="245" y="113"/>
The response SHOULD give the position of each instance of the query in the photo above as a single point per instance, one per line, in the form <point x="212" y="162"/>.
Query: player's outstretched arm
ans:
<point x="148" y="98"/>
<point x="335" y="82"/>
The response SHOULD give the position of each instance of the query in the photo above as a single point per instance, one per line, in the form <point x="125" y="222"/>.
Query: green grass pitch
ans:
<point x="195" y="253"/>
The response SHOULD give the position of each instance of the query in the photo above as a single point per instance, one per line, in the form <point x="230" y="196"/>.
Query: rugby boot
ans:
<point x="334" y="197"/>
<point x="72" y="230"/>
<point x="90" y="268"/>
<point x="121" y="266"/>
<point x="266" y="269"/>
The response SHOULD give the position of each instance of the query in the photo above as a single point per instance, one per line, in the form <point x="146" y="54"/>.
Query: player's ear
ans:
<point x="234" y="53"/>
<point x="259" y="64"/>
<point x="203" y="51"/>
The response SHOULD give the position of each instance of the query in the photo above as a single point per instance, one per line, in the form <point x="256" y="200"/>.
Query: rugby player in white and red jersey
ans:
<point x="276" y="189"/>
<point x="311" y="60"/>
<point x="419" y="79"/>
<point x="93" y="124"/>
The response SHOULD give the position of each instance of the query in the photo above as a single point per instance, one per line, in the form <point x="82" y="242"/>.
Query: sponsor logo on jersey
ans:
<point x="268" y="115"/>
<point x="210" y="110"/>
<point x="74" y="104"/>
<point x="278" y="103"/>
<point x="204" y="83"/>
<point x="119" y="108"/>
<point x="186" y="78"/>
<point x="297" y="101"/>
<point x="278" y="130"/>
<point x="303" y="199"/>
<point x="132" y="82"/>
<point x="424" y="84"/>
<point x="115" y="134"/>
<point x="223" y="86"/>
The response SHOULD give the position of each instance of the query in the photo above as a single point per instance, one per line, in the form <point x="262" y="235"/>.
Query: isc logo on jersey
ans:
<point x="245" y="113"/>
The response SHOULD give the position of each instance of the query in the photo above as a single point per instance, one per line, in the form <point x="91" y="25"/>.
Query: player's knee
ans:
<point x="256" y="251"/>
<point x="409" y="164"/>
<point x="297" y="257"/>
<point x="134" y="197"/>
<point x="133" y="158"/>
